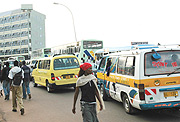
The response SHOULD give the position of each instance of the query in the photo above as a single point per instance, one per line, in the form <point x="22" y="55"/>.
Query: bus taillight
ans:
<point x="141" y="92"/>
<point x="52" y="76"/>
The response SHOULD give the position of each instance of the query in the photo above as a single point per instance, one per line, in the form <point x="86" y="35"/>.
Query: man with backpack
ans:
<point x="16" y="74"/>
<point x="26" y="80"/>
<point x="6" y="81"/>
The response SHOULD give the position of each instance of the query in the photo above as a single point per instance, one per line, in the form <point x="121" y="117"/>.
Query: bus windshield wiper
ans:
<point x="173" y="71"/>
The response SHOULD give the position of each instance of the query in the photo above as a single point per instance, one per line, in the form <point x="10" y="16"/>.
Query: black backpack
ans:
<point x="17" y="78"/>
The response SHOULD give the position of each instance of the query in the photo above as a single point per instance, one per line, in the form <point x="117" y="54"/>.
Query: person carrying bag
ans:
<point x="16" y="74"/>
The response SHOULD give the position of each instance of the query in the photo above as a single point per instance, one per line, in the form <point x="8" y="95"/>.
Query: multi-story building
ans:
<point x="21" y="31"/>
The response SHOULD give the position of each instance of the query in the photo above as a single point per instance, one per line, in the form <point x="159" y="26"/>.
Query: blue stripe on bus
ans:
<point x="88" y="54"/>
<point x="159" y="105"/>
<point x="169" y="89"/>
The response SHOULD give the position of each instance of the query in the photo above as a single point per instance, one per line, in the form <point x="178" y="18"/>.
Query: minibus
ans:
<point x="144" y="77"/>
<point x="53" y="72"/>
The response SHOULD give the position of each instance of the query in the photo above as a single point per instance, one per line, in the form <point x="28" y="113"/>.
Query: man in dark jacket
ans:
<point x="6" y="81"/>
<point x="26" y="80"/>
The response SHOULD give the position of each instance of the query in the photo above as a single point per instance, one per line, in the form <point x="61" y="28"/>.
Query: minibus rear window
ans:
<point x="65" y="63"/>
<point x="169" y="61"/>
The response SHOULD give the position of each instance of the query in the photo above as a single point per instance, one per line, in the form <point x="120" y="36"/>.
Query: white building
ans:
<point x="21" y="31"/>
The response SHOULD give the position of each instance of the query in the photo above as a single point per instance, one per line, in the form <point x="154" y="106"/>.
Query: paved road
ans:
<point x="56" y="107"/>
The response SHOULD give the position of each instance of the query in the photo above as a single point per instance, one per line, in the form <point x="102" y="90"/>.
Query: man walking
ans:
<point x="26" y="80"/>
<point x="16" y="74"/>
<point x="6" y="81"/>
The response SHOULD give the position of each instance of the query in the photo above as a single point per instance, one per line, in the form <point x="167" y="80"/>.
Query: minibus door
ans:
<point x="35" y="71"/>
<point x="101" y="73"/>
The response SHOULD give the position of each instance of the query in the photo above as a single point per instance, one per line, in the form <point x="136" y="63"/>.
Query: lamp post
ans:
<point x="72" y="18"/>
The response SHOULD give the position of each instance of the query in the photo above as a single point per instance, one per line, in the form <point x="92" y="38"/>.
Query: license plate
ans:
<point x="68" y="77"/>
<point x="170" y="94"/>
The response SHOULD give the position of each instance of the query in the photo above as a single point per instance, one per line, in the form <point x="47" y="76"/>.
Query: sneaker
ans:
<point x="24" y="98"/>
<point x="14" y="110"/>
<point x="22" y="111"/>
<point x="7" y="97"/>
<point x="29" y="96"/>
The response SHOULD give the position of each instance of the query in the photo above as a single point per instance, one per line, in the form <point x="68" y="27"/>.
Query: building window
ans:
<point x="24" y="50"/>
<point x="8" y="52"/>
<point x="1" y="21"/>
<point x="16" y="51"/>
<point x="24" y="25"/>
<point x="24" y="42"/>
<point x="1" y="52"/>
<point x="1" y="44"/>
<point x="1" y="37"/>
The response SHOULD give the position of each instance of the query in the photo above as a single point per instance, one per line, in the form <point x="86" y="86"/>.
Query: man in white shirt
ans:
<point x="88" y="60"/>
<point x="16" y="89"/>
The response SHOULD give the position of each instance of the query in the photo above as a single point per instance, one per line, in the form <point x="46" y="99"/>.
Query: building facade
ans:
<point x="21" y="31"/>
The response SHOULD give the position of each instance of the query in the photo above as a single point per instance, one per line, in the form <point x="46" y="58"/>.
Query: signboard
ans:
<point x="137" y="43"/>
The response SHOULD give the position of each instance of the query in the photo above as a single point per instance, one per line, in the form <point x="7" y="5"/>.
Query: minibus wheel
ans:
<point x="48" y="87"/>
<point x="103" y="93"/>
<point x="35" y="84"/>
<point x="127" y="105"/>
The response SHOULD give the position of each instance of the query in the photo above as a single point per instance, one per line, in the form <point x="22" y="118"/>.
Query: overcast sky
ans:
<point x="116" y="22"/>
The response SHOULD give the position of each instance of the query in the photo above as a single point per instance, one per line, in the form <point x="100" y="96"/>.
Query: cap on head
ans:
<point x="85" y="66"/>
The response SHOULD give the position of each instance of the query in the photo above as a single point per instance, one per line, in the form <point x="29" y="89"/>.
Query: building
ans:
<point x="21" y="31"/>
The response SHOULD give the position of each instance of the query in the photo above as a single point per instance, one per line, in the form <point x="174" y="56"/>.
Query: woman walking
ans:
<point x="89" y="92"/>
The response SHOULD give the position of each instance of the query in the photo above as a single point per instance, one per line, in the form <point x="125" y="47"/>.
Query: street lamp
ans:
<point x="72" y="18"/>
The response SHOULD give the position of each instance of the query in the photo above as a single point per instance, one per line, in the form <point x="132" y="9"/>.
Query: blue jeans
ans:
<point x="25" y="88"/>
<point x="6" y="87"/>
<point x="89" y="113"/>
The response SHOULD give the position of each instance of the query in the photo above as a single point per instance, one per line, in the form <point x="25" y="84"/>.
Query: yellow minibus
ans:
<point x="52" y="72"/>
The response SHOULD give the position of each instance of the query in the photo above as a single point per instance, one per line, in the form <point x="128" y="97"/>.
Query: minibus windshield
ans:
<point x="169" y="61"/>
<point x="65" y="63"/>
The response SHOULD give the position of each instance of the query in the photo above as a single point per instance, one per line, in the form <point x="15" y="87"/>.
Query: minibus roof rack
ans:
<point x="168" y="45"/>
<point x="145" y="46"/>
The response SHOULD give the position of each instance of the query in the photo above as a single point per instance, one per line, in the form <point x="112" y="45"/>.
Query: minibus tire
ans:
<point x="103" y="93"/>
<point x="127" y="105"/>
<point x="34" y="84"/>
<point x="48" y="87"/>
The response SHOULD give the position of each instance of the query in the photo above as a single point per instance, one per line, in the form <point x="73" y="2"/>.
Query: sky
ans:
<point x="116" y="22"/>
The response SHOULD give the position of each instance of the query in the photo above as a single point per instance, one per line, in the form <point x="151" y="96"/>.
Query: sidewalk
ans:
<point x="2" y="113"/>
<point x="1" y="117"/>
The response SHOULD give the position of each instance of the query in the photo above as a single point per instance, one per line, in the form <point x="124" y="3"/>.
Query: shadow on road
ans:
<point x="59" y="90"/>
<point x="160" y="115"/>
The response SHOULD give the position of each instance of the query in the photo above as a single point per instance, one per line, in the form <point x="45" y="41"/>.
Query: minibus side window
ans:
<point x="40" y="64"/>
<point x="108" y="64"/>
<point x="102" y="63"/>
<point x="35" y="66"/>
<point x="113" y="64"/>
<point x="47" y="64"/>
<point x="129" y="69"/>
<point x="121" y="65"/>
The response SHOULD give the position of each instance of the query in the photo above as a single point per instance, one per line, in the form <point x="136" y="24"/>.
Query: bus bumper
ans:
<point x="54" y="86"/>
<point x="160" y="105"/>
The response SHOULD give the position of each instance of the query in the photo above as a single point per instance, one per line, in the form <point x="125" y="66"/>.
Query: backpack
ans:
<point x="17" y="78"/>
